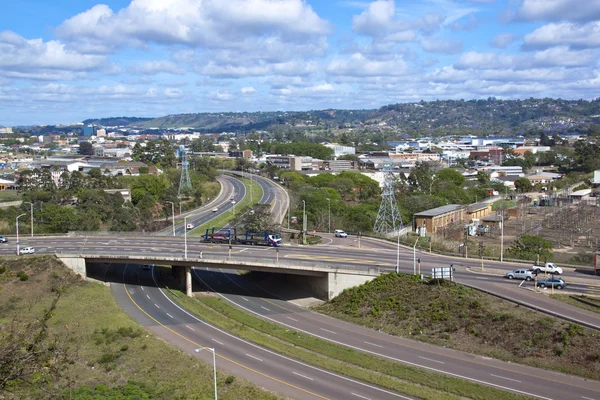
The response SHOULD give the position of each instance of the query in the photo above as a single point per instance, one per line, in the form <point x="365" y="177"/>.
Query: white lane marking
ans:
<point x="142" y="288"/>
<point x="156" y="305"/>
<point x="245" y="298"/>
<point x="265" y="308"/>
<point x="429" y="359"/>
<point x="373" y="344"/>
<point x="347" y="345"/>
<point x="586" y="398"/>
<point x="219" y="282"/>
<point x="327" y="330"/>
<point x="304" y="376"/>
<point x="216" y="341"/>
<point x="251" y="356"/>
<point x="358" y="395"/>
<point x="189" y="327"/>
<point x="170" y="315"/>
<point x="508" y="379"/>
<point x="147" y="296"/>
<point x="295" y="320"/>
<point x="484" y="279"/>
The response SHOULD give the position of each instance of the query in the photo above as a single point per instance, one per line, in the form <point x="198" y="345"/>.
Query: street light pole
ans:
<point x="415" y="256"/>
<point x="17" y="225"/>
<point x="214" y="369"/>
<point x="172" y="215"/>
<point x="185" y="236"/>
<point x="304" y="225"/>
<point x="31" y="204"/>
<point x="502" y="235"/>
<point x="329" y="217"/>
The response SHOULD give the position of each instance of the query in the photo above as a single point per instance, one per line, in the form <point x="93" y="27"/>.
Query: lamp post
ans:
<point x="303" y="222"/>
<point x="31" y="204"/>
<point x="251" y="189"/>
<point x="185" y="237"/>
<point x="329" y="216"/>
<point x="172" y="214"/>
<point x="414" y="255"/>
<point x="431" y="184"/>
<point x="501" y="235"/>
<point x="233" y="207"/>
<point x="17" y="225"/>
<point x="214" y="365"/>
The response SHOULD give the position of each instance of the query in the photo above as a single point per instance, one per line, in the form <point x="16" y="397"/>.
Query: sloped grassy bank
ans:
<point x="447" y="314"/>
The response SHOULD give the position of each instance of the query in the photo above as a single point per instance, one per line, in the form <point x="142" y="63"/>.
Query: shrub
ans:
<point x="230" y="379"/>
<point x="23" y="276"/>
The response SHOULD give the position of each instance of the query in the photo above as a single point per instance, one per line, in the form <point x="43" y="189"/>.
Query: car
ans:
<point x="340" y="233"/>
<point x="147" y="266"/>
<point x="3" y="239"/>
<point x="522" y="273"/>
<point x="27" y="250"/>
<point x="215" y="209"/>
<point x="189" y="226"/>
<point x="558" y="283"/>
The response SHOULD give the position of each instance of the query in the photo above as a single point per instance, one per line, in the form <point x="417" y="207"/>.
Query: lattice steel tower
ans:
<point x="388" y="219"/>
<point x="185" y="185"/>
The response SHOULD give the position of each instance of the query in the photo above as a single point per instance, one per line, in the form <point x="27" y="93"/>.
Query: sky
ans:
<point x="67" y="60"/>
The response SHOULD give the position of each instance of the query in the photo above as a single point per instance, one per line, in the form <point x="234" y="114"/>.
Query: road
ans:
<point x="137" y="292"/>
<point x="336" y="252"/>
<point x="273" y="194"/>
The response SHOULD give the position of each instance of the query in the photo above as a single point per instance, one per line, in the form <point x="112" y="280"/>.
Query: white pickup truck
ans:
<point x="548" y="267"/>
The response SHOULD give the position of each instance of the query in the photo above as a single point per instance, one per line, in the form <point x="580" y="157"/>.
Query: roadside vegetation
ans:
<point x="461" y="318"/>
<point x="590" y="303"/>
<point x="404" y="379"/>
<point x="63" y="338"/>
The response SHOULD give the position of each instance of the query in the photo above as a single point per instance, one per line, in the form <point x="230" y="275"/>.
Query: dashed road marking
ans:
<point x="508" y="379"/>
<point x="304" y="376"/>
<point x="251" y="356"/>
<point x="429" y="359"/>
<point x="373" y="344"/>
<point x="327" y="330"/>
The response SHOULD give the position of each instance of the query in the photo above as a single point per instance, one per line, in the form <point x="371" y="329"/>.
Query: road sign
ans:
<point x="443" y="273"/>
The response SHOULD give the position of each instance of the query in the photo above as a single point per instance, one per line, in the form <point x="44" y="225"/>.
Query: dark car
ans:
<point x="552" y="282"/>
<point x="3" y="239"/>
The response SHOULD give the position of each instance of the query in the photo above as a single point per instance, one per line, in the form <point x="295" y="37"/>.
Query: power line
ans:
<point x="388" y="219"/>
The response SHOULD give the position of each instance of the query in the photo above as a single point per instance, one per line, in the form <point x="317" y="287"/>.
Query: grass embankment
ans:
<point x="240" y="208"/>
<point x="581" y="301"/>
<point x="109" y="354"/>
<point x="465" y="319"/>
<point x="336" y="358"/>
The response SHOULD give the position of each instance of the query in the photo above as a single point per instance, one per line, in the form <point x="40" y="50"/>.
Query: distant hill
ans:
<point x="423" y="118"/>
<point x="116" y="121"/>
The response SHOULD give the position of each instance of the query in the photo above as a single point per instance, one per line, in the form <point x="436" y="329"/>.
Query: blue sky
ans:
<point x="66" y="60"/>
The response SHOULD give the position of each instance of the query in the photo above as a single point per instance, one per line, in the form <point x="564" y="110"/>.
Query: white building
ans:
<point x="340" y="150"/>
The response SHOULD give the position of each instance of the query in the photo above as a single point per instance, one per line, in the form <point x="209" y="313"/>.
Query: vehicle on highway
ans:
<point x="27" y="250"/>
<point x="189" y="226"/>
<point x="3" y="239"/>
<point x="340" y="233"/>
<point x="215" y="209"/>
<point x="548" y="267"/>
<point x="253" y="238"/>
<point x="520" y="274"/>
<point x="558" y="283"/>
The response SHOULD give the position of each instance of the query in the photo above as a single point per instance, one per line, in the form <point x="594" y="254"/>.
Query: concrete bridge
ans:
<point x="323" y="281"/>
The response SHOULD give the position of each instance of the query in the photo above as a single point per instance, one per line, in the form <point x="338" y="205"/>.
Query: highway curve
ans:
<point x="138" y="294"/>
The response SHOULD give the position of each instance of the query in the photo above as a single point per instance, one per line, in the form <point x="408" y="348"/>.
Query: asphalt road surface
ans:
<point x="136" y="291"/>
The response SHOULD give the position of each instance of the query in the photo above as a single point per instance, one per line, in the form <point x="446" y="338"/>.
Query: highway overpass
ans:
<point x="322" y="280"/>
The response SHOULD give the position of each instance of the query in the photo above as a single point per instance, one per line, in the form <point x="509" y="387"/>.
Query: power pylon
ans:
<point x="185" y="184"/>
<point x="388" y="219"/>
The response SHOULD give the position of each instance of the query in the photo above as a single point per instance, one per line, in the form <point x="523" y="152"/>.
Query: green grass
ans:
<point x="340" y="359"/>
<point x="503" y="204"/>
<point x="464" y="319"/>
<point x="114" y="354"/>
<point x="566" y="298"/>
<point x="240" y="208"/>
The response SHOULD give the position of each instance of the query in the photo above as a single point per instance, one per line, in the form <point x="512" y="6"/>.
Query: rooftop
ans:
<point x="434" y="212"/>
<point x="477" y="206"/>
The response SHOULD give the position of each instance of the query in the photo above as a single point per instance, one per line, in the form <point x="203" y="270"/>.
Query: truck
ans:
<point x="249" y="237"/>
<point x="548" y="267"/>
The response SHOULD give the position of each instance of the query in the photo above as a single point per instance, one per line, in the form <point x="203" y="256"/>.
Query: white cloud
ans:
<point x="249" y="90"/>
<point x="202" y="23"/>
<point x="36" y="59"/>
<point x="502" y="40"/>
<point x="359" y="65"/>
<point x="218" y="95"/>
<point x="555" y="57"/>
<point x="569" y="34"/>
<point x="293" y="67"/>
<point x="559" y="10"/>
<point x="439" y="45"/>
<point x="377" y="19"/>
<point x="157" y="67"/>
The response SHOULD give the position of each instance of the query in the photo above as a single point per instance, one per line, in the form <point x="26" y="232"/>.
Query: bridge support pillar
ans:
<point x="335" y="283"/>
<point x="188" y="281"/>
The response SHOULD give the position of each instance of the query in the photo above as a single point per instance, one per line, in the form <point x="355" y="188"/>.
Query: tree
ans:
<point x="421" y="177"/>
<point x="586" y="156"/>
<point x="452" y="176"/>
<point x="203" y="144"/>
<point x="86" y="148"/>
<point x="523" y="185"/>
<point x="529" y="247"/>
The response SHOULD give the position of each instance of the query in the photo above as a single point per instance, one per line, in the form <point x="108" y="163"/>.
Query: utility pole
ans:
<point x="304" y="225"/>
<point x="501" y="235"/>
<point x="17" y="225"/>
<point x="31" y="204"/>
<point x="172" y="215"/>
<point x="329" y="216"/>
